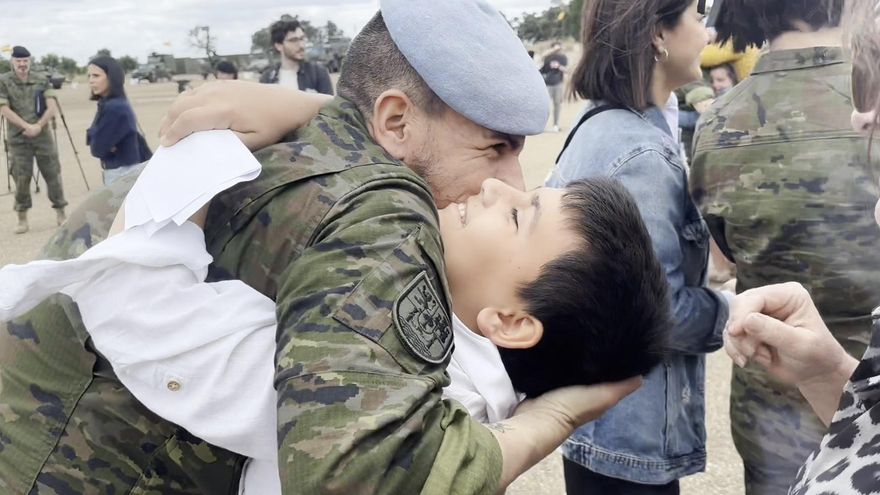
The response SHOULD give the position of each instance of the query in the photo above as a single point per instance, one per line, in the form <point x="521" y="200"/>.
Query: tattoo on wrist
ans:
<point x="499" y="427"/>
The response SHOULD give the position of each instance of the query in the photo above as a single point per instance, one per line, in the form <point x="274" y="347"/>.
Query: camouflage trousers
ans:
<point x="67" y="425"/>
<point x="22" y="153"/>
<point x="773" y="427"/>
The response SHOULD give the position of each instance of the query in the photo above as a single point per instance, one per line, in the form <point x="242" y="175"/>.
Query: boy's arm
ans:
<point x="260" y="114"/>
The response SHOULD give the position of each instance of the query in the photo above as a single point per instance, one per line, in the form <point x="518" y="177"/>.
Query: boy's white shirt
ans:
<point x="201" y="354"/>
<point x="478" y="378"/>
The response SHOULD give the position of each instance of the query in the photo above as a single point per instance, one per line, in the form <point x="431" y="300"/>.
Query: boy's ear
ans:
<point x="392" y="113"/>
<point x="510" y="329"/>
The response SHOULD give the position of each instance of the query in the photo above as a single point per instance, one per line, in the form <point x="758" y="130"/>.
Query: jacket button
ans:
<point x="174" y="385"/>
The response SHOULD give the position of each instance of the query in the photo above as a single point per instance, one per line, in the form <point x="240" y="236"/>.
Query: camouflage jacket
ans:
<point x="786" y="188"/>
<point x="21" y="96"/>
<point x="345" y="240"/>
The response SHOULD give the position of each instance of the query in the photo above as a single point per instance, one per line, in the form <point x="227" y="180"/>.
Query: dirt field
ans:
<point x="724" y="472"/>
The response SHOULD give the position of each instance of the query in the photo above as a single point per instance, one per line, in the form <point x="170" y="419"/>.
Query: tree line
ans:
<point x="68" y="66"/>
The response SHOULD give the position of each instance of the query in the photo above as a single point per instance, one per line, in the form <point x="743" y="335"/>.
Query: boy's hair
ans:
<point x="279" y="29"/>
<point x="374" y="64"/>
<point x="604" y="305"/>
<point x="754" y="22"/>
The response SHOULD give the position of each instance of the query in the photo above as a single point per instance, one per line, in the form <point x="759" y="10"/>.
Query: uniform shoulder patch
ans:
<point x="422" y="322"/>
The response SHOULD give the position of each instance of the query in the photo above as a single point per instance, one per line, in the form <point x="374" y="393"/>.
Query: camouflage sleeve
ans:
<point x="49" y="91"/>
<point x="4" y="93"/>
<point x="362" y="346"/>
<point x="660" y="189"/>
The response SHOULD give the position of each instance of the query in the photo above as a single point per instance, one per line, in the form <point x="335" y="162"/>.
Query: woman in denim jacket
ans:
<point x="635" y="54"/>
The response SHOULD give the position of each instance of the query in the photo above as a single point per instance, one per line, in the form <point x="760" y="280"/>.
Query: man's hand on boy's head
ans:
<point x="579" y="404"/>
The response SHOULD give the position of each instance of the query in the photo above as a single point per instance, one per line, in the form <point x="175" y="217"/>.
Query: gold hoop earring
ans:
<point x="664" y="58"/>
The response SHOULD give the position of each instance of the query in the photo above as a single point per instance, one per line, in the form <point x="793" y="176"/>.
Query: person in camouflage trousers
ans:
<point x="344" y="238"/>
<point x="29" y="136"/>
<point x="787" y="190"/>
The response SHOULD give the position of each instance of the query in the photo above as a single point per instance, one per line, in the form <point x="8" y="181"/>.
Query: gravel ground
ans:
<point x="723" y="474"/>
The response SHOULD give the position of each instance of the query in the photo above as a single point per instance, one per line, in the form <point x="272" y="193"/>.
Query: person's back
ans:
<point x="785" y="186"/>
<point x="786" y="189"/>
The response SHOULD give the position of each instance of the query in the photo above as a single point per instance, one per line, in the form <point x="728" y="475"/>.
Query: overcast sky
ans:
<point x="78" y="28"/>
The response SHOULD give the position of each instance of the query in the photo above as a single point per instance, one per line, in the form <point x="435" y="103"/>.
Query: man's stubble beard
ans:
<point x="425" y="163"/>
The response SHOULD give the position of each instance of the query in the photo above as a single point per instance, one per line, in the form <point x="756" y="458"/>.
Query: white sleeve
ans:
<point x="462" y="389"/>
<point x="197" y="354"/>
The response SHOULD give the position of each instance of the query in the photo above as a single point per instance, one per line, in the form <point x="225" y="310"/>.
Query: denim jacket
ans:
<point x="657" y="434"/>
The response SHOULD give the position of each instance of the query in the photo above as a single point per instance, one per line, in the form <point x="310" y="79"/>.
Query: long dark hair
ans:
<point x="115" y="76"/>
<point x="618" y="56"/>
<point x="753" y="22"/>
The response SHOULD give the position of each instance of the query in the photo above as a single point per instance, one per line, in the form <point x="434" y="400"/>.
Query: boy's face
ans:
<point x="498" y="240"/>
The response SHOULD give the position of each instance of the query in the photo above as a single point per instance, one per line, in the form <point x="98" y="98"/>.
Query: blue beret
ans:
<point x="20" y="52"/>
<point x="471" y="58"/>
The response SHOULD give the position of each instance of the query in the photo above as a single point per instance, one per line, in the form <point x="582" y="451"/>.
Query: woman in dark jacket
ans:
<point x="113" y="136"/>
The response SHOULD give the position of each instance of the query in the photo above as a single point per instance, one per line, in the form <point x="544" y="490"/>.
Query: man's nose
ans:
<point x="509" y="171"/>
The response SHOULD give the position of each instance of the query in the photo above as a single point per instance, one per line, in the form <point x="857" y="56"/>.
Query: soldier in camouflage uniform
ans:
<point x="786" y="189"/>
<point x="29" y="135"/>
<point x="345" y="239"/>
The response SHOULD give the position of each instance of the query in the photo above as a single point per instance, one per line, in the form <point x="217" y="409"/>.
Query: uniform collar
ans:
<point x="341" y="109"/>
<point x="803" y="58"/>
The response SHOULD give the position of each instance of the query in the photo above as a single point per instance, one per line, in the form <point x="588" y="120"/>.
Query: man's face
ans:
<point x="456" y="155"/>
<point x="294" y="46"/>
<point x="21" y="66"/>
<point x="498" y="240"/>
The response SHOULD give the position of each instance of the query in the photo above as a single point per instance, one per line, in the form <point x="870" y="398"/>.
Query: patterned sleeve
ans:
<point x="363" y="339"/>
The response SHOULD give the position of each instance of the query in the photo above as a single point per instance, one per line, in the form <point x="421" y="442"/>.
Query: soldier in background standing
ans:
<point x="27" y="101"/>
<point x="786" y="188"/>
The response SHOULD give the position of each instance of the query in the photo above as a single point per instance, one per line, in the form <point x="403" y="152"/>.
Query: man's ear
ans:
<point x="392" y="113"/>
<point x="278" y="47"/>
<point x="510" y="329"/>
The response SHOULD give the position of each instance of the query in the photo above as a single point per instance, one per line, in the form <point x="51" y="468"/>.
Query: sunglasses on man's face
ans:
<point x="864" y="93"/>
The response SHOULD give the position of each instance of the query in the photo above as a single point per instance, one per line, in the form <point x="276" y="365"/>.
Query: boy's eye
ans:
<point x="515" y="215"/>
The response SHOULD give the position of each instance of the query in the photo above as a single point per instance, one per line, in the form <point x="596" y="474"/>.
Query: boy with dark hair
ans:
<point x="293" y="70"/>
<point x="566" y="280"/>
<point x="595" y="312"/>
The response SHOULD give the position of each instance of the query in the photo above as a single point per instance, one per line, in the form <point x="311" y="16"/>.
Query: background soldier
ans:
<point x="786" y="188"/>
<point x="27" y="101"/>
